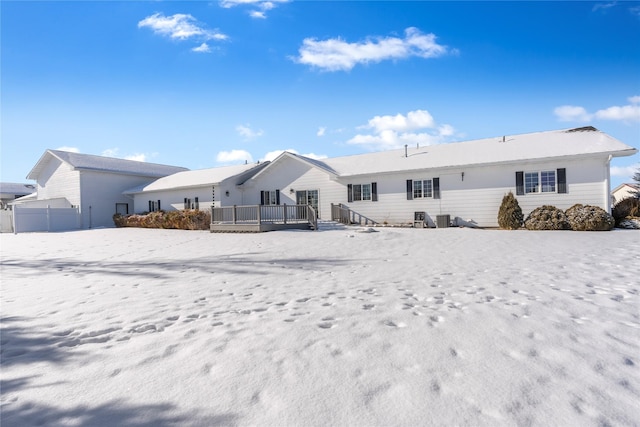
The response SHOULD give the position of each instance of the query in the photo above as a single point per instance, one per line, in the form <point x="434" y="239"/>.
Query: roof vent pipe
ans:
<point x="405" y="150"/>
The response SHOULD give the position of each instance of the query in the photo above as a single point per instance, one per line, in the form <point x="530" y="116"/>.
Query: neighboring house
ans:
<point x="465" y="180"/>
<point x="197" y="189"/>
<point x="94" y="185"/>
<point x="10" y="191"/>
<point x="624" y="191"/>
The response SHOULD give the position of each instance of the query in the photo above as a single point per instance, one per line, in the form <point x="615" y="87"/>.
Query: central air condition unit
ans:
<point x="442" y="221"/>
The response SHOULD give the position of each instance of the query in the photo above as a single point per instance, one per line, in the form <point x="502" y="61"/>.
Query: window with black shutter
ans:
<point x="520" y="183"/>
<point x="562" y="180"/>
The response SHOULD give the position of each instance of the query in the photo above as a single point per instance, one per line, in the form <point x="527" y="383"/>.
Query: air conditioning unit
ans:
<point x="418" y="219"/>
<point x="442" y="221"/>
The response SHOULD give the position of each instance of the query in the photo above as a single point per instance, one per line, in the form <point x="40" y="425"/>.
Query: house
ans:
<point x="92" y="185"/>
<point x="464" y="181"/>
<point x="624" y="191"/>
<point x="9" y="191"/>
<point x="194" y="189"/>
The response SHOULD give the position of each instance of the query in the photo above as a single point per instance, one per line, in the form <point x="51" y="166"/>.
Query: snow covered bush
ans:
<point x="589" y="218"/>
<point x="510" y="215"/>
<point x="626" y="209"/>
<point x="547" y="218"/>
<point x="183" y="220"/>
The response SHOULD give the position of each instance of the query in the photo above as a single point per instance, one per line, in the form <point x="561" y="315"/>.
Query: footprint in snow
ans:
<point x="395" y="324"/>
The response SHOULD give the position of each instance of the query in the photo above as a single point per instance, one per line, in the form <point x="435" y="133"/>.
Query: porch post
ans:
<point x="284" y="214"/>
<point x="233" y="214"/>
<point x="259" y="214"/>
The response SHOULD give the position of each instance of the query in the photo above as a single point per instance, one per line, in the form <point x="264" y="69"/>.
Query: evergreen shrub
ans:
<point x="547" y="218"/>
<point x="510" y="215"/>
<point x="589" y="218"/>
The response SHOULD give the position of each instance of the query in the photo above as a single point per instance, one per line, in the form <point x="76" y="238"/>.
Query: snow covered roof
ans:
<point x="103" y="164"/>
<point x="202" y="177"/>
<point x="16" y="188"/>
<point x="503" y="149"/>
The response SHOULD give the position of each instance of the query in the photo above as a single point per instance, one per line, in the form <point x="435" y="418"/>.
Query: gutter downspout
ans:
<point x="607" y="186"/>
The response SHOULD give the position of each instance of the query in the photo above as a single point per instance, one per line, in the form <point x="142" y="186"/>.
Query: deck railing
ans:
<point x="344" y="215"/>
<point x="265" y="214"/>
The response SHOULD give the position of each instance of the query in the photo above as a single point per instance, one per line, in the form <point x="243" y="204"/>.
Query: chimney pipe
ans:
<point x="405" y="150"/>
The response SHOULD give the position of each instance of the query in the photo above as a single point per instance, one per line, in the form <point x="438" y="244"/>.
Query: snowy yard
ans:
<point x="139" y="327"/>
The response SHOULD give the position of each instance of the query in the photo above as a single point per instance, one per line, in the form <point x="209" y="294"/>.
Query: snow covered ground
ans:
<point x="138" y="327"/>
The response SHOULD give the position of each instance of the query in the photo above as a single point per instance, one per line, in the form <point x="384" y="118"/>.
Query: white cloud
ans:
<point x="138" y="157"/>
<point x="625" y="113"/>
<point x="571" y="113"/>
<point x="390" y="132"/>
<point x="69" y="149"/>
<point x="181" y="27"/>
<point x="203" y="48"/>
<point x="417" y="119"/>
<point x="110" y="152"/>
<point x="604" y="6"/>
<point x="626" y="172"/>
<point x="321" y="131"/>
<point x="339" y="55"/>
<point x="247" y="133"/>
<point x="114" y="152"/>
<point x="259" y="7"/>
<point x="234" y="156"/>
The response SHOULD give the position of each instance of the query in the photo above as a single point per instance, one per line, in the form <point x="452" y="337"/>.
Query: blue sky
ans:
<point x="202" y="84"/>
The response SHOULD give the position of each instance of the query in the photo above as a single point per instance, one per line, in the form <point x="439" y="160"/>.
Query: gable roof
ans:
<point x="318" y="164"/>
<point x="627" y="187"/>
<point x="202" y="177"/>
<point x="16" y="188"/>
<point x="504" y="149"/>
<point x="564" y="143"/>
<point x="91" y="162"/>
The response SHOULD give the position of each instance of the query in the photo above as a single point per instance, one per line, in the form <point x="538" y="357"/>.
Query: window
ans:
<point x="550" y="181"/>
<point x="187" y="203"/>
<point x="531" y="182"/>
<point x="361" y="192"/>
<point x="270" y="197"/>
<point x="423" y="188"/>
<point x="196" y="203"/>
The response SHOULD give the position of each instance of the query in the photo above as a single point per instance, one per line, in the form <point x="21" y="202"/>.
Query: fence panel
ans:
<point x="45" y="219"/>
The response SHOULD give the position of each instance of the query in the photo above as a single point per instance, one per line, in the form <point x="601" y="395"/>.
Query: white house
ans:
<point x="93" y="185"/>
<point x="465" y="180"/>
<point x="624" y="191"/>
<point x="10" y="191"/>
<point x="197" y="189"/>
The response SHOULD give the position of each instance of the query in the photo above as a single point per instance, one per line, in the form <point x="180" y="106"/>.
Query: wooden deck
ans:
<point x="261" y="218"/>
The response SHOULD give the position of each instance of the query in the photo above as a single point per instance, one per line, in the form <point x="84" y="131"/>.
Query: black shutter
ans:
<point x="262" y="197"/>
<point x="520" y="183"/>
<point x="562" y="180"/>
<point x="374" y="191"/>
<point x="158" y="204"/>
<point x="349" y="193"/>
<point x="409" y="189"/>
<point x="277" y="197"/>
<point x="150" y="206"/>
<point x="185" y="203"/>
<point x="436" y="188"/>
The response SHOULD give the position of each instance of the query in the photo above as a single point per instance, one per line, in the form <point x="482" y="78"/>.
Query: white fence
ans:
<point x="6" y="221"/>
<point x="45" y="219"/>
